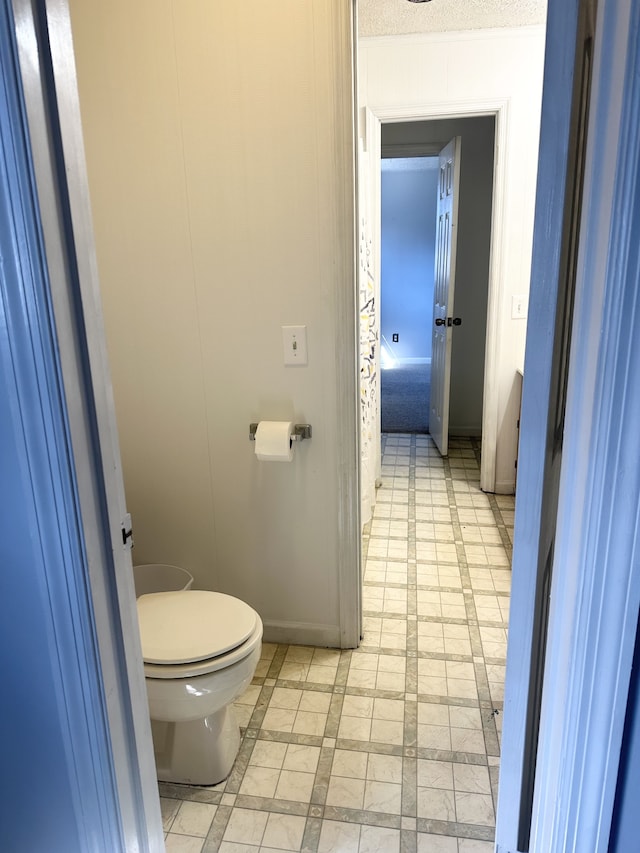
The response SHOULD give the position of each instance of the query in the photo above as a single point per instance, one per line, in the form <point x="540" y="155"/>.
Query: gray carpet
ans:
<point x="404" y="398"/>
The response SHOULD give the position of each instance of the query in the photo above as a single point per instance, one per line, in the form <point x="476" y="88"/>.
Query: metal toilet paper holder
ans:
<point x="300" y="432"/>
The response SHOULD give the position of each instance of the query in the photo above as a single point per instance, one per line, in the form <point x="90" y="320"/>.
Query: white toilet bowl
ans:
<point x="200" y="652"/>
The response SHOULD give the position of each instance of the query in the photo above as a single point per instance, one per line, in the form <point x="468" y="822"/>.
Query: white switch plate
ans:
<point x="519" y="307"/>
<point x="294" y="340"/>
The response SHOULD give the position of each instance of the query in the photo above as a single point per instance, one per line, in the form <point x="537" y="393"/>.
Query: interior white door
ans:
<point x="443" y="291"/>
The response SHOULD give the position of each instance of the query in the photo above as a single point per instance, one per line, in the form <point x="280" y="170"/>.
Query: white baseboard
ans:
<point x="302" y="634"/>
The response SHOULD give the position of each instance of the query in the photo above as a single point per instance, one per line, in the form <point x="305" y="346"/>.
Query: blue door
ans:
<point x="59" y="791"/>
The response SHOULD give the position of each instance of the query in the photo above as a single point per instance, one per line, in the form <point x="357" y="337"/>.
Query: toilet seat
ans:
<point x="193" y="632"/>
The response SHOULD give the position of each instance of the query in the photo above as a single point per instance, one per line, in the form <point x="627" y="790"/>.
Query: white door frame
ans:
<point x="499" y="108"/>
<point x="444" y="287"/>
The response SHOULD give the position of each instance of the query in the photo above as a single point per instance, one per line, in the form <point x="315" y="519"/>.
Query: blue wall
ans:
<point x="408" y="238"/>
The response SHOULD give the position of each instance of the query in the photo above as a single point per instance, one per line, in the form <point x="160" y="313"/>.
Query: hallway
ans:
<point x="394" y="747"/>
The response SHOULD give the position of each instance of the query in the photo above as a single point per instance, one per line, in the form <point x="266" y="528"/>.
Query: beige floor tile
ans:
<point x="388" y="709"/>
<point x="326" y="657"/>
<point x="345" y="792"/>
<point x="286" y="698"/>
<point x="471" y="778"/>
<point x="393" y="641"/>
<point x="268" y="753"/>
<point x="302" y="758"/>
<point x="301" y="654"/>
<point x="357" y="706"/>
<point x="436" y="804"/>
<point x="384" y="797"/>
<point x="429" y="843"/>
<point x="432" y="667"/>
<point x="435" y="774"/>
<point x="394" y="681"/>
<point x="350" y="764"/>
<point x="433" y="714"/>
<point x="392" y="663"/>
<point x="464" y="718"/>
<point x="321" y="674"/>
<point x="394" y="626"/>
<point x="387" y="731"/>
<point x="169" y="809"/>
<point x="339" y="836"/>
<point x="434" y="737"/>
<point x="467" y="740"/>
<point x="475" y="808"/>
<point x="294" y="671"/>
<point x="308" y="723"/>
<point x="284" y="832"/>
<point x="183" y="843"/>
<point x="364" y="660"/>
<point x="279" y="720"/>
<point x="295" y="786"/>
<point x="260" y="781"/>
<point x="378" y="839"/>
<point x="354" y="728"/>
<point x="246" y="826"/>
<point x="384" y="768"/>
<point x="460" y="670"/>
<point x="193" y="819"/>
<point x="432" y="685"/>
<point x="362" y="678"/>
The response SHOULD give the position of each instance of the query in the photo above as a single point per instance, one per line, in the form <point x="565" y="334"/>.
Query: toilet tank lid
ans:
<point x="192" y="625"/>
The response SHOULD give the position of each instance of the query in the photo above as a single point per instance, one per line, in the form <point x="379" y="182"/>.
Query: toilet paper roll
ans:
<point x="273" y="441"/>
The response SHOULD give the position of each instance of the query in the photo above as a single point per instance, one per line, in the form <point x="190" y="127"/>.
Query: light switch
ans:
<point x="294" y="340"/>
<point x="519" y="307"/>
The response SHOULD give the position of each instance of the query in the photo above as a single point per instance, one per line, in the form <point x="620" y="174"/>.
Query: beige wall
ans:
<point x="218" y="139"/>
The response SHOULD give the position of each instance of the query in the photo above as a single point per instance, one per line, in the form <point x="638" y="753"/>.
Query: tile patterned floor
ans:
<point x="394" y="747"/>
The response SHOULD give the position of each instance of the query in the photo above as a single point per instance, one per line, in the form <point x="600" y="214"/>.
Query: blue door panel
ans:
<point x="56" y="765"/>
<point x="38" y="803"/>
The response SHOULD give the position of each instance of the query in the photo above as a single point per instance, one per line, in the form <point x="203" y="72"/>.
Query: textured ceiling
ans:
<point x="399" y="17"/>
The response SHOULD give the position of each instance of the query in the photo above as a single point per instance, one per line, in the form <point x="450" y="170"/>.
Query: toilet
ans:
<point x="200" y="651"/>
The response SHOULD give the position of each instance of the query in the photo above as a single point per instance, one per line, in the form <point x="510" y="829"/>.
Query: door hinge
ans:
<point x="127" y="531"/>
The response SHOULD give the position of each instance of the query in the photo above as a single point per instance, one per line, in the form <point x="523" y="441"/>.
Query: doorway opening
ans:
<point x="409" y="186"/>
